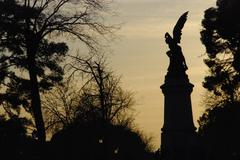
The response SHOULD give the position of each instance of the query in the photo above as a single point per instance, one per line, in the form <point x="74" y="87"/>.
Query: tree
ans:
<point x="60" y="105"/>
<point x="103" y="89"/>
<point x="220" y="35"/>
<point x="218" y="126"/>
<point x="14" y="140"/>
<point x="85" y="141"/>
<point x="94" y="116"/>
<point x="98" y="96"/>
<point x="219" y="131"/>
<point x="28" y="29"/>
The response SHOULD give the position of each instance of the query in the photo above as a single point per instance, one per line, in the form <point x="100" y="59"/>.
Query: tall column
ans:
<point x="178" y="132"/>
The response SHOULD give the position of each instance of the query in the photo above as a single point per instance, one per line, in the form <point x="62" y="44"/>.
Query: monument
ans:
<point x="178" y="137"/>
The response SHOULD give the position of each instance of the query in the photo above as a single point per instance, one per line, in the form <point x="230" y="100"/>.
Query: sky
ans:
<point x="139" y="54"/>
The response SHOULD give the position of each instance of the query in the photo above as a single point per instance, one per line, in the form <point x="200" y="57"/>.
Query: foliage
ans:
<point x="220" y="35"/>
<point x="31" y="54"/>
<point x="15" y="144"/>
<point x="17" y="85"/>
<point x="218" y="126"/>
<point x="95" y="141"/>
<point x="219" y="131"/>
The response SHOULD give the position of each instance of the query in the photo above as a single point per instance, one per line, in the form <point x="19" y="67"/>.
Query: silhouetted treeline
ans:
<point x="31" y="52"/>
<point x="219" y="125"/>
<point x="15" y="143"/>
<point x="82" y="139"/>
<point x="219" y="131"/>
<point x="91" y="123"/>
<point x="95" y="140"/>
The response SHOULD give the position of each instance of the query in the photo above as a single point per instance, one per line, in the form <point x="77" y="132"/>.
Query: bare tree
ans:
<point x="104" y="87"/>
<point x="60" y="106"/>
<point x="98" y="97"/>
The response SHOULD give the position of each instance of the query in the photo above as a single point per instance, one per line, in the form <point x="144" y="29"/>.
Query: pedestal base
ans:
<point x="178" y="136"/>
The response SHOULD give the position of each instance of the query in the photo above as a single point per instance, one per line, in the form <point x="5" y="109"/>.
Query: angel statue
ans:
<point x="177" y="60"/>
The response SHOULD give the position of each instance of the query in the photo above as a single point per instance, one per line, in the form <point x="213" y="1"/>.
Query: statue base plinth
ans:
<point x="178" y="132"/>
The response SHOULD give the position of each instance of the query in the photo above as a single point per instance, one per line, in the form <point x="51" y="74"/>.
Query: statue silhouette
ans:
<point x="177" y="60"/>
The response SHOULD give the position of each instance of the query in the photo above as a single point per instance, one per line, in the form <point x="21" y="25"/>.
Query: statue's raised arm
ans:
<point x="177" y="60"/>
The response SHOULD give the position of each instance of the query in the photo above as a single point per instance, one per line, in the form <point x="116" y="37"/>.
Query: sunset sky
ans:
<point x="139" y="54"/>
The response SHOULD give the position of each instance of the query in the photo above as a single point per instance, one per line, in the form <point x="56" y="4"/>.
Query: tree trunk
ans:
<point x="35" y="96"/>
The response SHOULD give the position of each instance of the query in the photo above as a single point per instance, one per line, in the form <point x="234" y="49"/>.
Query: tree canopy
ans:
<point x="220" y="35"/>
<point x="218" y="126"/>
<point x="31" y="53"/>
<point x="92" y="140"/>
<point x="219" y="131"/>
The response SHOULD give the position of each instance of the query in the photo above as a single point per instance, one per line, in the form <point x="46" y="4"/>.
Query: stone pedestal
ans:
<point x="178" y="137"/>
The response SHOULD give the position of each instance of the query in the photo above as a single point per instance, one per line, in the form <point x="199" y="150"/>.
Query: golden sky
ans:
<point x="139" y="54"/>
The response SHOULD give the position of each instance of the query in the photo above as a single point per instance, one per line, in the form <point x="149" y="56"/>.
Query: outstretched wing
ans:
<point x="177" y="31"/>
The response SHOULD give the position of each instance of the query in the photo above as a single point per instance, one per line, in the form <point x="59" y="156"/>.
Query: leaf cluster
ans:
<point x="219" y="131"/>
<point x="220" y="35"/>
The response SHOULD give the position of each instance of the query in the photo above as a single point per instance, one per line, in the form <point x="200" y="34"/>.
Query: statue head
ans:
<point x="168" y="38"/>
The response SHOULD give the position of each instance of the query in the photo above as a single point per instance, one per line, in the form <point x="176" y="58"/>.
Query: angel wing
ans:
<point x="177" y="31"/>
